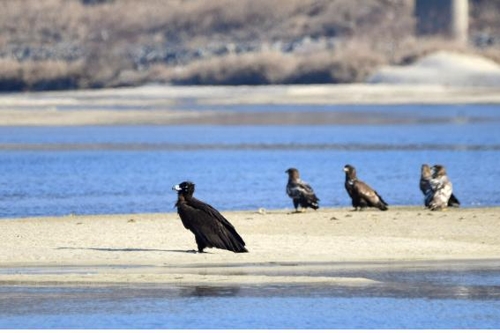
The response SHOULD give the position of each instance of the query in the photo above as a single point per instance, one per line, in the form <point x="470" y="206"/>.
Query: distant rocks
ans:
<point x="145" y="55"/>
<point x="95" y="2"/>
<point x="59" y="51"/>
<point x="142" y="55"/>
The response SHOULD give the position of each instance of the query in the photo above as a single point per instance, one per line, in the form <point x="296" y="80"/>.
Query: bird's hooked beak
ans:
<point x="176" y="188"/>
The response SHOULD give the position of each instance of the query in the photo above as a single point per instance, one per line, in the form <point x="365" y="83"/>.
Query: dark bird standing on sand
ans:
<point x="301" y="192"/>
<point x="432" y="188"/>
<point x="209" y="227"/>
<point x="361" y="194"/>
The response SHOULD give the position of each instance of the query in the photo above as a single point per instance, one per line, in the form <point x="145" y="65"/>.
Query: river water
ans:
<point x="131" y="169"/>
<point x="446" y="295"/>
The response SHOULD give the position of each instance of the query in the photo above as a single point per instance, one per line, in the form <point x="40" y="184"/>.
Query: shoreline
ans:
<point x="332" y="274"/>
<point x="306" y="248"/>
<point x="201" y="105"/>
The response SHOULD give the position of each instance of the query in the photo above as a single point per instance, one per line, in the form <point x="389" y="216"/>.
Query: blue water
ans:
<point x="131" y="169"/>
<point x="253" y="312"/>
<point x="422" y="297"/>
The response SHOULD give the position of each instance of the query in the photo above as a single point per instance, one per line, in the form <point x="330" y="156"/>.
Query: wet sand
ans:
<point x="283" y="247"/>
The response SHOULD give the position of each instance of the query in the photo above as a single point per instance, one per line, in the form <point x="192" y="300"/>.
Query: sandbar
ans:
<point x="211" y="105"/>
<point x="284" y="247"/>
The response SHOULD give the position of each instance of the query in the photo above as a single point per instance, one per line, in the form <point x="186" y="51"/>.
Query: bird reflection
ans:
<point x="211" y="291"/>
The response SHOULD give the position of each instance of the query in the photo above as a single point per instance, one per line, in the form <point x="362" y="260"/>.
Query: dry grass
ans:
<point x="275" y="68"/>
<point x="39" y="75"/>
<point x="253" y="68"/>
<point x="368" y="33"/>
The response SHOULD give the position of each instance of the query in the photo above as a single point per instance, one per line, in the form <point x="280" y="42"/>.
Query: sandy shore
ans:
<point x="284" y="247"/>
<point x="171" y="105"/>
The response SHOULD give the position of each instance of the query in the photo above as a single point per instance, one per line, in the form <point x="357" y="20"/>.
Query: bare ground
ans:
<point x="283" y="247"/>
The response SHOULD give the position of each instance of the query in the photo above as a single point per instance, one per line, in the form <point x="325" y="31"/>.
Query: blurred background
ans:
<point x="71" y="44"/>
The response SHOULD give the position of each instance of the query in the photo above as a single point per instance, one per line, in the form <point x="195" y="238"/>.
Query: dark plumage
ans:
<point x="453" y="202"/>
<point x="361" y="194"/>
<point x="301" y="192"/>
<point x="434" y="183"/>
<point x="209" y="227"/>
<point x="425" y="183"/>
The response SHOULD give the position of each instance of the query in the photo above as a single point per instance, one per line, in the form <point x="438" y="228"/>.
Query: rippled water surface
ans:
<point x="131" y="169"/>
<point x="436" y="296"/>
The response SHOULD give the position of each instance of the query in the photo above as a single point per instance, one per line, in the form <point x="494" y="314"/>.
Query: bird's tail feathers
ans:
<point x="382" y="206"/>
<point x="241" y="250"/>
<point x="453" y="201"/>
<point x="314" y="205"/>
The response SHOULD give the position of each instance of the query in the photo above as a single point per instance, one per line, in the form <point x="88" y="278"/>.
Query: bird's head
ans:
<point x="185" y="188"/>
<point x="438" y="170"/>
<point x="350" y="170"/>
<point x="425" y="171"/>
<point x="293" y="173"/>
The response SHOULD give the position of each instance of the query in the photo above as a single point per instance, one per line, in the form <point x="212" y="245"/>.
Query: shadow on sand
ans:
<point x="128" y="249"/>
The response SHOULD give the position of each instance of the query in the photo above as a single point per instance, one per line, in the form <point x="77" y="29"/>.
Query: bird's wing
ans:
<point x="303" y="189"/>
<point x="442" y="184"/>
<point x="439" y="183"/>
<point x="214" y="228"/>
<point x="425" y="185"/>
<point x="366" y="193"/>
<point x="307" y="188"/>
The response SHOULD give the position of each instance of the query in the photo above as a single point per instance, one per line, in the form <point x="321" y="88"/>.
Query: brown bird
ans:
<point x="442" y="189"/>
<point x="426" y="186"/>
<point x="302" y="193"/>
<point x="209" y="227"/>
<point x="361" y="194"/>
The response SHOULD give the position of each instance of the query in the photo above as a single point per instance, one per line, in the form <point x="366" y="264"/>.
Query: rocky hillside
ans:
<point x="70" y="44"/>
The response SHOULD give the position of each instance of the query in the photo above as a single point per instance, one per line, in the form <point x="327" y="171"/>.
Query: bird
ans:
<point x="302" y="193"/>
<point x="426" y="174"/>
<point x="425" y="183"/>
<point x="442" y="189"/>
<point x="361" y="194"/>
<point x="209" y="227"/>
